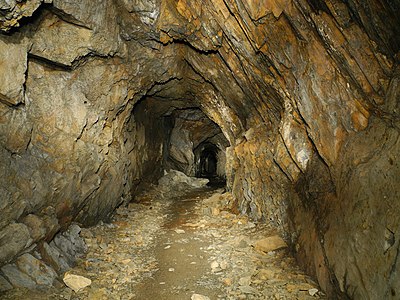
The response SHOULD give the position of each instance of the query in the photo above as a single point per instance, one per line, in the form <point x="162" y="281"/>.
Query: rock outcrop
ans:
<point x="305" y="93"/>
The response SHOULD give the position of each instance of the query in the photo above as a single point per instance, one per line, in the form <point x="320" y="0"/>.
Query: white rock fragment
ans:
<point x="245" y="281"/>
<point x="312" y="292"/>
<point x="179" y="231"/>
<point x="248" y="289"/>
<point x="171" y="270"/>
<point x="199" y="297"/>
<point x="223" y="265"/>
<point x="251" y="225"/>
<point x="76" y="282"/>
<point x="173" y="177"/>
<point x="214" y="265"/>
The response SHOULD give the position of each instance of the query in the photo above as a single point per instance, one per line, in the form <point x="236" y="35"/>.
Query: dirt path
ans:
<point x="183" y="264"/>
<point x="178" y="242"/>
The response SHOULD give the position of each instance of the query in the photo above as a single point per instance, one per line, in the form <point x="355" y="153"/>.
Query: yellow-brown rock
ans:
<point x="271" y="243"/>
<point x="296" y="105"/>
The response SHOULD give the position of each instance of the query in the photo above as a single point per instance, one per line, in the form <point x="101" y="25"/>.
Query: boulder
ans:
<point x="18" y="278"/>
<point x="42" y="274"/>
<point x="53" y="257"/>
<point x="13" y="239"/>
<point x="271" y="243"/>
<point x="174" y="178"/>
<point x="70" y="244"/>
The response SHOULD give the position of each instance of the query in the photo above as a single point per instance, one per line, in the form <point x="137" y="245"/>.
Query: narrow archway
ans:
<point x="208" y="163"/>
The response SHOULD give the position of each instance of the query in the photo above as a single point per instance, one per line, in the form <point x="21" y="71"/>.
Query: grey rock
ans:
<point x="53" y="257"/>
<point x="17" y="278"/>
<point x="245" y="281"/>
<point x="12" y="207"/>
<point x="15" y="134"/>
<point x="69" y="246"/>
<point x="174" y="178"/>
<point x="42" y="274"/>
<point x="96" y="15"/>
<point x="65" y="248"/>
<point x="51" y="223"/>
<point x="13" y="239"/>
<point x="7" y="5"/>
<point x="4" y="284"/>
<point x="78" y="243"/>
<point x="148" y="10"/>
<point x="74" y="230"/>
<point x="242" y="244"/>
<point x="86" y="13"/>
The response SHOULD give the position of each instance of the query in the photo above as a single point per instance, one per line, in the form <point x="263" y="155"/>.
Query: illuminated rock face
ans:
<point x="305" y="93"/>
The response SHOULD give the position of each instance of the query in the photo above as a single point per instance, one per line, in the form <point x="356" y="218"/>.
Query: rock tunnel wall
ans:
<point x="305" y="92"/>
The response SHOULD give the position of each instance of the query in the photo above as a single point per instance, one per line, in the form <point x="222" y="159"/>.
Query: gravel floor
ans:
<point x="179" y="242"/>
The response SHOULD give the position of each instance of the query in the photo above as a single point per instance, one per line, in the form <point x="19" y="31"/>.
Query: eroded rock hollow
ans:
<point x="295" y="103"/>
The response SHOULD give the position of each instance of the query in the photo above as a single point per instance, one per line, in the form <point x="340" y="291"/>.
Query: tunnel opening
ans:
<point x="176" y="135"/>
<point x="208" y="164"/>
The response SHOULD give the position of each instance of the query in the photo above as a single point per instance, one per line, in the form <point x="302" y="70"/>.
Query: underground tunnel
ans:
<point x="207" y="161"/>
<point x="116" y="114"/>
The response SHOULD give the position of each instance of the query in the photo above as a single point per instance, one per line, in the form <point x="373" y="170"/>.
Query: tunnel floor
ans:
<point x="182" y="243"/>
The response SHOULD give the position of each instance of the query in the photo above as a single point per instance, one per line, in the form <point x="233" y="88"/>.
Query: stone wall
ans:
<point x="305" y="92"/>
<point x="70" y="148"/>
<point x="313" y="147"/>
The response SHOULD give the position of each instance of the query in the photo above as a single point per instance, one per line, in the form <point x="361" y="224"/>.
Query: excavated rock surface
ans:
<point x="306" y="92"/>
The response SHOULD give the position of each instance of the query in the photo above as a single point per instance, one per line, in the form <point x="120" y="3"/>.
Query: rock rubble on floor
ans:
<point x="41" y="267"/>
<point x="233" y="258"/>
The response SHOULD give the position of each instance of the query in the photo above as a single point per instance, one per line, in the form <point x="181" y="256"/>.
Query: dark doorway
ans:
<point x="208" y="163"/>
<point x="206" y="155"/>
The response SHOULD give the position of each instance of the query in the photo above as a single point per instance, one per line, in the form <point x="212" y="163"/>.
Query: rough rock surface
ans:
<point x="306" y="92"/>
<point x="40" y="270"/>
<point x="14" y="238"/>
<point x="4" y="285"/>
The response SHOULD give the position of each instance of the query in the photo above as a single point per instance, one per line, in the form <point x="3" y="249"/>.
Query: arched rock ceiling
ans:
<point x="306" y="92"/>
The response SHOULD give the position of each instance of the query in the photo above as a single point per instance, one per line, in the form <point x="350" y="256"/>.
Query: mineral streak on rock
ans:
<point x="295" y="103"/>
